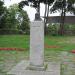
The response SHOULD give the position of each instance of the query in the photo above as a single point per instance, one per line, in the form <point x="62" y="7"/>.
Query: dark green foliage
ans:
<point x="67" y="5"/>
<point x="9" y="31"/>
<point x="69" y="29"/>
<point x="70" y="7"/>
<point x="35" y="3"/>
<point x="2" y="13"/>
<point x="23" y="21"/>
<point x="52" y="29"/>
<point x="1" y="8"/>
<point x="22" y="3"/>
<point x="63" y="6"/>
<point x="56" y="7"/>
<point x="15" y="21"/>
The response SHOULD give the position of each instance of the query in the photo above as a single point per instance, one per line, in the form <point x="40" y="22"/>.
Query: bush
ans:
<point x="8" y="31"/>
<point x="12" y="31"/>
<point x="52" y="30"/>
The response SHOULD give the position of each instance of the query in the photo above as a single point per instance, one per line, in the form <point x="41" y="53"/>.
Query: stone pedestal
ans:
<point x="21" y="69"/>
<point x="37" y="45"/>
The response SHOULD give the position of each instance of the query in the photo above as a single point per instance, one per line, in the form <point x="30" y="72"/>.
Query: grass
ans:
<point x="64" y="43"/>
<point x="9" y="58"/>
<point x="19" y="41"/>
<point x="22" y="41"/>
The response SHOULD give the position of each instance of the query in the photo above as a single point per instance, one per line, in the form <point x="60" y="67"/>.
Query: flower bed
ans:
<point x="51" y="46"/>
<point x="17" y="49"/>
<point x="72" y="51"/>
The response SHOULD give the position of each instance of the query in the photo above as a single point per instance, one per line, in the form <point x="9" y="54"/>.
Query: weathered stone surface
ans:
<point x="21" y="69"/>
<point x="37" y="44"/>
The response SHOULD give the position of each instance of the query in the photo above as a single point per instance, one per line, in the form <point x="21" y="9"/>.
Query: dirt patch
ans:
<point x="51" y="46"/>
<point x="17" y="49"/>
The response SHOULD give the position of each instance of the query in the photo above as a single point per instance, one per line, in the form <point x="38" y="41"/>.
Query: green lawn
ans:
<point x="19" y="41"/>
<point x="22" y="41"/>
<point x="65" y="43"/>
<point x="53" y="47"/>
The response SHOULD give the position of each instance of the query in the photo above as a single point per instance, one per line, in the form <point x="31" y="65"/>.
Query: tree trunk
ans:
<point x="46" y="18"/>
<point x="61" y="29"/>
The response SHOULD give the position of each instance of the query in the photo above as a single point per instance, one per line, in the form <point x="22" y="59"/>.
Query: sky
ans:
<point x="30" y="11"/>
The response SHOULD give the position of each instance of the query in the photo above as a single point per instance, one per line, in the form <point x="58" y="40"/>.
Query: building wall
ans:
<point x="57" y="19"/>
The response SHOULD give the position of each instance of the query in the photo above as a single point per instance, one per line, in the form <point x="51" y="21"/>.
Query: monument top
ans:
<point x="37" y="17"/>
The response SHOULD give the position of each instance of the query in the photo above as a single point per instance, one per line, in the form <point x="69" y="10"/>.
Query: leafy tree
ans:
<point x="23" y="21"/>
<point x="63" y="6"/>
<point x="10" y="18"/>
<point x="36" y="5"/>
<point x="52" y="29"/>
<point x="1" y="7"/>
<point x="2" y="13"/>
<point x="16" y="19"/>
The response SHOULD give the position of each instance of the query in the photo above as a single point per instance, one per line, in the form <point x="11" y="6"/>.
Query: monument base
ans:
<point x="37" y="68"/>
<point x="21" y="69"/>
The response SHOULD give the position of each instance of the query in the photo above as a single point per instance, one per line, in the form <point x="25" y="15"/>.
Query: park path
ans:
<point x="20" y="69"/>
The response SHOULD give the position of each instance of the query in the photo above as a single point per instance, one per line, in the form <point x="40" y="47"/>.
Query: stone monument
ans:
<point x="37" y="44"/>
<point x="36" y="66"/>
